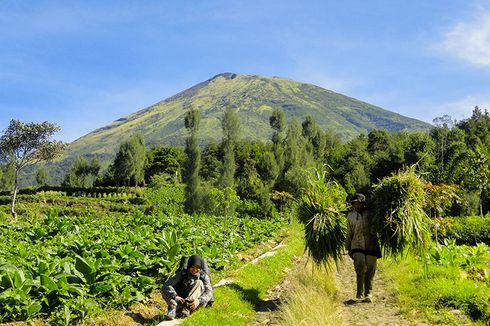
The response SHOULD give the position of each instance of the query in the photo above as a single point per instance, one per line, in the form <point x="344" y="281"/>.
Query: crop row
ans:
<point x="68" y="267"/>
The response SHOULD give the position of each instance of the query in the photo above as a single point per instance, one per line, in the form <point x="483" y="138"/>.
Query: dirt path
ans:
<point x="384" y="309"/>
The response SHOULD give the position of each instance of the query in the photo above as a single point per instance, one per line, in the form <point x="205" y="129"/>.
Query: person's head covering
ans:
<point x="360" y="198"/>
<point x="194" y="260"/>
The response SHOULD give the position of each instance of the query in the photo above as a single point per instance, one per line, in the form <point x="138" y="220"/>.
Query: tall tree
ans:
<point x="230" y="125"/>
<point x="478" y="173"/>
<point x="278" y="123"/>
<point x="354" y="166"/>
<point x="193" y="162"/>
<point x="296" y="159"/>
<point x="24" y="144"/>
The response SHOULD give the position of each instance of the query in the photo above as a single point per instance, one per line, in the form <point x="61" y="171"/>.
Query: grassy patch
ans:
<point x="236" y="304"/>
<point x="447" y="294"/>
<point x="309" y="298"/>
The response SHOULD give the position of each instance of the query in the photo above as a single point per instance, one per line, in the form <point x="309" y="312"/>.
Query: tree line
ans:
<point x="451" y="153"/>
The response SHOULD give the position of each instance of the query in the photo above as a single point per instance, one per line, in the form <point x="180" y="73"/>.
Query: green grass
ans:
<point x="236" y="304"/>
<point x="447" y="294"/>
<point x="310" y="298"/>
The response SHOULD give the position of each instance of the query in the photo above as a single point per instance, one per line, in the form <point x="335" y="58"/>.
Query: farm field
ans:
<point x="71" y="263"/>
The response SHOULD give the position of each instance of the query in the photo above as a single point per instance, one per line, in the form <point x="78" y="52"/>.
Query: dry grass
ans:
<point x="310" y="298"/>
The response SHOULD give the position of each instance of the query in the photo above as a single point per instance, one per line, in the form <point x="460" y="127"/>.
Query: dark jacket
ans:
<point x="182" y="282"/>
<point x="361" y="236"/>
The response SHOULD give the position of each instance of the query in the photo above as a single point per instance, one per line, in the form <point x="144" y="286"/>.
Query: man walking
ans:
<point x="362" y="246"/>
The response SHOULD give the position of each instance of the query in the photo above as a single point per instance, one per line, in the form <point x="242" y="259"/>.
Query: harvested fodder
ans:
<point x="399" y="214"/>
<point x="321" y="210"/>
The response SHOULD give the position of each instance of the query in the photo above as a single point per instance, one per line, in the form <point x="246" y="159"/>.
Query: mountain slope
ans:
<point x="255" y="97"/>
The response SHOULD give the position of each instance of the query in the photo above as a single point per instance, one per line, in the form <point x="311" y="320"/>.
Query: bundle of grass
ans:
<point x="321" y="210"/>
<point x="399" y="216"/>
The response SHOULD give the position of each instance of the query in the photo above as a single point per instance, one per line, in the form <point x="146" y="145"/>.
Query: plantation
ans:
<point x="68" y="266"/>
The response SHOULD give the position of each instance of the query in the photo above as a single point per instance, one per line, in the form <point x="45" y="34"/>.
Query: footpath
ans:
<point x="383" y="310"/>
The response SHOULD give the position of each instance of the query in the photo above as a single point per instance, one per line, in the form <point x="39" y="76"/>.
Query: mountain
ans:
<point x="255" y="97"/>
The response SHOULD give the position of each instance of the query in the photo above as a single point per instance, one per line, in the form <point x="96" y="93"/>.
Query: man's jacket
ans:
<point x="361" y="236"/>
<point x="182" y="282"/>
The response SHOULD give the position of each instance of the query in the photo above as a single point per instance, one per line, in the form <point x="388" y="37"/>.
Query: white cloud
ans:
<point x="469" y="40"/>
<point x="462" y="108"/>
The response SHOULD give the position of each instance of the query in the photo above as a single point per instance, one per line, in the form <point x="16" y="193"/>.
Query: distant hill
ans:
<point x="255" y="97"/>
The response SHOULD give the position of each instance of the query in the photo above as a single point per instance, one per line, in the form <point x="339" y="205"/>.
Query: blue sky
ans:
<point x="84" y="64"/>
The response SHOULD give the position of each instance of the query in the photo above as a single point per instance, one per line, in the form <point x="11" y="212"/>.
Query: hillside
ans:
<point x="255" y="97"/>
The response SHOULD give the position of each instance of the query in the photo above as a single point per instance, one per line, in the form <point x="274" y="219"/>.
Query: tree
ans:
<point x="230" y="125"/>
<point x="193" y="162"/>
<point x="129" y="164"/>
<point x="167" y="160"/>
<point x="478" y="173"/>
<point x="211" y="162"/>
<point x="82" y="173"/>
<point x="278" y="123"/>
<point x="296" y="160"/>
<point x="42" y="176"/>
<point x="354" y="166"/>
<point x="26" y="144"/>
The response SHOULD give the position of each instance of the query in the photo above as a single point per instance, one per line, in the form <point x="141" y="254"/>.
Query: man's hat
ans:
<point x="194" y="260"/>
<point x="359" y="198"/>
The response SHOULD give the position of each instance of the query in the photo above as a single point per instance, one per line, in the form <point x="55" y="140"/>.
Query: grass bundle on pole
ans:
<point x="321" y="210"/>
<point x="399" y="216"/>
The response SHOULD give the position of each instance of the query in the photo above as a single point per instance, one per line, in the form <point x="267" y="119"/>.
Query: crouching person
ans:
<point x="189" y="289"/>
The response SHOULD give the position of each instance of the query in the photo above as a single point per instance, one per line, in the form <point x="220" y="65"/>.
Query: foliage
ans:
<point x="82" y="174"/>
<point x="220" y="202"/>
<point x="168" y="160"/>
<point x="457" y="278"/>
<point x="353" y="167"/>
<point x="230" y="126"/>
<point x="321" y="210"/>
<point x="477" y="173"/>
<point x="469" y="230"/>
<point x="42" y="176"/>
<point x="24" y="144"/>
<point x="440" y="198"/>
<point x="164" y="198"/>
<point x="66" y="267"/>
<point x="128" y="166"/>
<point x="193" y="162"/>
<point x="398" y="213"/>
<point x="7" y="177"/>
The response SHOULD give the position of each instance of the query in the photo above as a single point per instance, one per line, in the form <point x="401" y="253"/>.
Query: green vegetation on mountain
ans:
<point x="254" y="98"/>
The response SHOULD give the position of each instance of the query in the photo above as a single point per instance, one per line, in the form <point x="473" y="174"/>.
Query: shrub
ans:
<point x="468" y="230"/>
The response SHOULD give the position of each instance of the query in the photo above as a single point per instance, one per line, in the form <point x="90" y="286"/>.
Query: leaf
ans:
<point x="42" y="268"/>
<point x="7" y="281"/>
<point x="103" y="287"/>
<point x="48" y="283"/>
<point x="137" y="255"/>
<point x="33" y="309"/>
<point x="19" y="278"/>
<point x="83" y="267"/>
